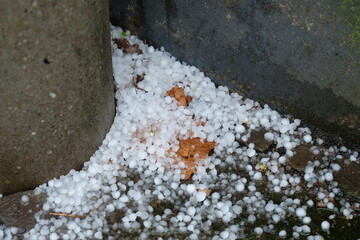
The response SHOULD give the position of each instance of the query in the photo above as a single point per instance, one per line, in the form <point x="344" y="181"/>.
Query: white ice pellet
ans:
<point x="151" y="150"/>
<point x="193" y="236"/>
<point x="174" y="185"/>
<point x="237" y="209"/>
<point x="200" y="196"/>
<point x="53" y="236"/>
<point x="269" y="136"/>
<point x="346" y="212"/>
<point x="160" y="152"/>
<point x="325" y="225"/>
<point x="250" y="152"/>
<point x="24" y="199"/>
<point x="157" y="181"/>
<point x="52" y="95"/>
<point x="300" y="212"/>
<point x="142" y="154"/>
<point x="329" y="176"/>
<point x="277" y="189"/>
<point x="110" y="208"/>
<point x="306" y="229"/>
<point x="276" y="218"/>
<point x="282" y="160"/>
<point x="239" y="187"/>
<point x="306" y="220"/>
<point x="282" y="234"/>
<point x="230" y="138"/>
<point x="318" y="237"/>
<point x="190" y="188"/>
<point x="132" y="217"/>
<point x="191" y="211"/>
<point x="307" y="138"/>
<point x="124" y="198"/>
<point x="335" y="166"/>
<point x="270" y="206"/>
<point x="252" y="188"/>
<point x="330" y="205"/>
<point x="240" y="128"/>
<point x="147" y="224"/>
<point x="284" y="183"/>
<point x="115" y="194"/>
<point x="98" y="235"/>
<point x="257" y="176"/>
<point x="224" y="234"/>
<point x="321" y="195"/>
<point x="258" y="230"/>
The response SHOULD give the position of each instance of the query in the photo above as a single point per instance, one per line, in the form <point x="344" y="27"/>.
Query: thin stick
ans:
<point x="66" y="215"/>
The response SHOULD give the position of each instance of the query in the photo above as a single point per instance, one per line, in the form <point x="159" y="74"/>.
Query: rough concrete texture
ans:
<point x="297" y="56"/>
<point x="56" y="88"/>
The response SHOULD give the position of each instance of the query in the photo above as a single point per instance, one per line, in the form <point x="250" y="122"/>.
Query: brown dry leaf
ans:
<point x="179" y="94"/>
<point x="192" y="150"/>
<point x="126" y="47"/>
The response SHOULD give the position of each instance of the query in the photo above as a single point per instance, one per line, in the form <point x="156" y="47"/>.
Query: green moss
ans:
<point x="352" y="9"/>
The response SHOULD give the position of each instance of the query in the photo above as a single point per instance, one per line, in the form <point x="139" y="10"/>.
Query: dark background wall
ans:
<point x="300" y="57"/>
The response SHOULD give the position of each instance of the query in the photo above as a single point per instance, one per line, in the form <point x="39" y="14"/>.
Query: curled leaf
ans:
<point x="179" y="94"/>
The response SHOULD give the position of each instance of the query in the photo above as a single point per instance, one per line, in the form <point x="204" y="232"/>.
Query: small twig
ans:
<point x="66" y="215"/>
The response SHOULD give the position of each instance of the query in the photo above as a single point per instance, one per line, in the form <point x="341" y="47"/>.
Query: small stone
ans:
<point x="257" y="137"/>
<point x="302" y="157"/>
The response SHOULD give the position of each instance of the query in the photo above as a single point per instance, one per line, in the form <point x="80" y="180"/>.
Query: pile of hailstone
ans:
<point x="128" y="191"/>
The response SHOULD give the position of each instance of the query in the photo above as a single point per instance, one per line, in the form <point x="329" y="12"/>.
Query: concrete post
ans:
<point x="56" y="88"/>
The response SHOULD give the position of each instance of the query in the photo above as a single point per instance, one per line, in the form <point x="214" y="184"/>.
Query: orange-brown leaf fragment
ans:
<point x="201" y="123"/>
<point x="188" y="148"/>
<point x="192" y="150"/>
<point x="179" y="94"/>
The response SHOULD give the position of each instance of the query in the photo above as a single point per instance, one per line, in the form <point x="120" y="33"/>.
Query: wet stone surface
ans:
<point x="349" y="178"/>
<point x="261" y="144"/>
<point x="19" y="209"/>
<point x="302" y="156"/>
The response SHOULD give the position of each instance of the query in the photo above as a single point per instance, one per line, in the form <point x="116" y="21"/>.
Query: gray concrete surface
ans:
<point x="56" y="88"/>
<point x="296" y="56"/>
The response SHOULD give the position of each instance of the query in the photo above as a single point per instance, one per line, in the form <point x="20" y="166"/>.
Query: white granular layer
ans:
<point x="135" y="172"/>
